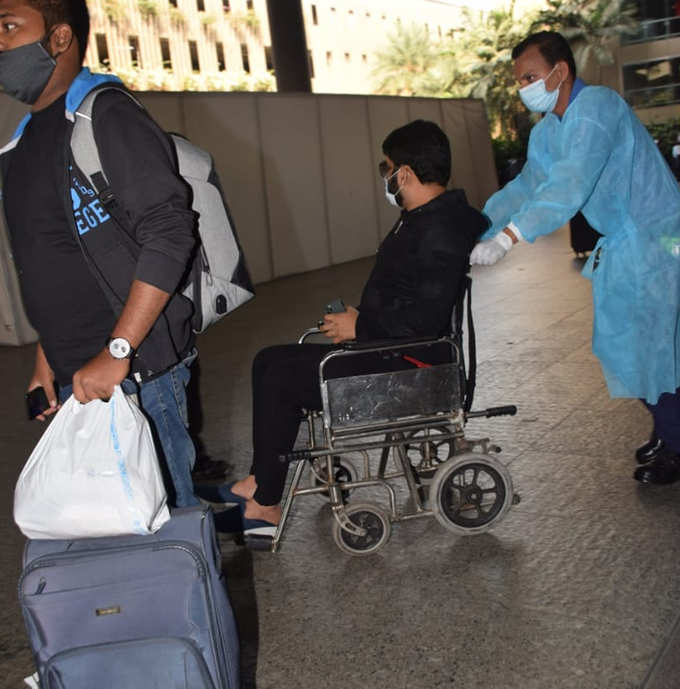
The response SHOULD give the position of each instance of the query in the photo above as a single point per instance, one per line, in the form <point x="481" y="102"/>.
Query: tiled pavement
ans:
<point x="578" y="587"/>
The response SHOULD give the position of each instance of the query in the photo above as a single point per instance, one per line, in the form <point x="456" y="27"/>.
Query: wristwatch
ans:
<point x="120" y="348"/>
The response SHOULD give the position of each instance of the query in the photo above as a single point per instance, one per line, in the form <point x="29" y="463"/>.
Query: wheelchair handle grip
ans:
<point x="295" y="456"/>
<point x="508" y="410"/>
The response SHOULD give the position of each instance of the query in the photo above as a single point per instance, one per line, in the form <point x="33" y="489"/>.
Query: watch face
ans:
<point x="119" y="348"/>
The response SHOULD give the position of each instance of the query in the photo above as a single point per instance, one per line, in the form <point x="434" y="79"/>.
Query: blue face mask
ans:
<point x="536" y="96"/>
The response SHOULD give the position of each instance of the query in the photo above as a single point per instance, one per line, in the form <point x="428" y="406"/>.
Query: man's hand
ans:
<point x="43" y="375"/>
<point x="492" y="250"/>
<point x="97" y="378"/>
<point x="340" y="327"/>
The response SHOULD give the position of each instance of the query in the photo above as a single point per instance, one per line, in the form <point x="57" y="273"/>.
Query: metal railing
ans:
<point x="654" y="29"/>
<point x="652" y="96"/>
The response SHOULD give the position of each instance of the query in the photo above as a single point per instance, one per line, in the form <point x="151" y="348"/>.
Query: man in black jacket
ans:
<point x="419" y="272"/>
<point x="104" y="304"/>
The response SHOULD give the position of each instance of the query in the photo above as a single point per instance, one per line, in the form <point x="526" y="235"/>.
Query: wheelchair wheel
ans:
<point x="426" y="452"/>
<point x="470" y="493"/>
<point x="343" y="470"/>
<point x="373" y="520"/>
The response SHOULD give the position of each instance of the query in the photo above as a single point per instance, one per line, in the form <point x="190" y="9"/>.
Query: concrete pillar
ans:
<point x="289" y="46"/>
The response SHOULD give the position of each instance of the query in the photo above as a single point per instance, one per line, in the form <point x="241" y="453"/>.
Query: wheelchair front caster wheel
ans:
<point x="372" y="520"/>
<point x="470" y="493"/>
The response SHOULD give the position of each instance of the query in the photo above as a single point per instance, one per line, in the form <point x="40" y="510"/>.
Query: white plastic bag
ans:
<point x="93" y="473"/>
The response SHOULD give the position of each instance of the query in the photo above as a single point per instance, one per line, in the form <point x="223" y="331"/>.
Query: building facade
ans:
<point x="225" y="45"/>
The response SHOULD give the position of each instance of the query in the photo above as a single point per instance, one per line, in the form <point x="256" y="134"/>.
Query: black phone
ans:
<point x="36" y="402"/>
<point x="336" y="306"/>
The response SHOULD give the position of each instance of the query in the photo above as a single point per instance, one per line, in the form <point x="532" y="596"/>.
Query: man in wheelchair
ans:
<point x="419" y="273"/>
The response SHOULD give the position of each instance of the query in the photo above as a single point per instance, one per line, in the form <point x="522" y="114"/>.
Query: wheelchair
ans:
<point x="411" y="424"/>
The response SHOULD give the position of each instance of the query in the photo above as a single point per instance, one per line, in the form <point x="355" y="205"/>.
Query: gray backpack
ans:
<point x="218" y="281"/>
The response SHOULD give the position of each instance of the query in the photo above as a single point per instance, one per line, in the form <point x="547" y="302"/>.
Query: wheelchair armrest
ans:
<point x="396" y="342"/>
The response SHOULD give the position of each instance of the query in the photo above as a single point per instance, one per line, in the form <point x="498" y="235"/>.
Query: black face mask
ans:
<point x="25" y="71"/>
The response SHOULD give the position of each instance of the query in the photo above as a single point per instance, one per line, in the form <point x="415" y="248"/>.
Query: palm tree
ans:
<point x="592" y="27"/>
<point x="409" y="64"/>
<point x="483" y="50"/>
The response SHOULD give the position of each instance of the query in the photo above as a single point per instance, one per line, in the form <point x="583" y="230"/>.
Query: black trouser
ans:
<point x="666" y="414"/>
<point x="285" y="380"/>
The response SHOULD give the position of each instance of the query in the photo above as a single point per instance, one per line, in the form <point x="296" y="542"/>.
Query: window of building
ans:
<point x="658" y="19"/>
<point x="329" y="58"/>
<point x="347" y="57"/>
<point x="249" y="4"/>
<point x="226" y="6"/>
<point x="310" y="63"/>
<point x="648" y="84"/>
<point x="200" y="5"/>
<point x="315" y="18"/>
<point x="166" y="58"/>
<point x="244" y="58"/>
<point x="193" y="53"/>
<point x="268" y="58"/>
<point x="221" y="62"/>
<point x="364" y="58"/>
<point x="133" y="46"/>
<point x="102" y="49"/>
<point x="173" y="3"/>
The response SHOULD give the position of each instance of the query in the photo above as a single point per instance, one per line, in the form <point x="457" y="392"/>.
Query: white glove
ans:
<point x="491" y="251"/>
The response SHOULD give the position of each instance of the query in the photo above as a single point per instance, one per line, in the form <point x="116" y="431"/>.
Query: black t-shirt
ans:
<point x="62" y="298"/>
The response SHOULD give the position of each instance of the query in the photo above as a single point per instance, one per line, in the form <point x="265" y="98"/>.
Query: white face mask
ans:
<point x="391" y="198"/>
<point x="536" y="96"/>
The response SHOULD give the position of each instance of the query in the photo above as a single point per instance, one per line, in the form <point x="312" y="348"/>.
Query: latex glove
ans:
<point x="491" y="251"/>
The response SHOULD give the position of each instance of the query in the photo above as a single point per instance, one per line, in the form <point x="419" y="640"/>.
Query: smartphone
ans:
<point x="36" y="402"/>
<point x="336" y="306"/>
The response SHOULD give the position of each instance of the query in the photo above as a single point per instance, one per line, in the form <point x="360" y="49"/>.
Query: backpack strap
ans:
<point x="86" y="154"/>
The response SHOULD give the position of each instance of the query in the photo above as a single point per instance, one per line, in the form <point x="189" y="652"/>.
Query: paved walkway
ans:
<point x="578" y="587"/>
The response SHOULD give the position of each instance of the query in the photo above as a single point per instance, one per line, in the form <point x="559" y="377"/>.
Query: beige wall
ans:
<point x="300" y="171"/>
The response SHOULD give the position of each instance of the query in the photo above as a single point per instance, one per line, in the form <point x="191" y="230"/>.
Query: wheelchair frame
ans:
<point x="358" y="409"/>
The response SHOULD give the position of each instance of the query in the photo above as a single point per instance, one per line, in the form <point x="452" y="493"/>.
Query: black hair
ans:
<point x="553" y="47"/>
<point x="422" y="146"/>
<point x="71" y="12"/>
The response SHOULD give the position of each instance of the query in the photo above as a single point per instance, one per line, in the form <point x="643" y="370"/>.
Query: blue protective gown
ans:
<point x="599" y="158"/>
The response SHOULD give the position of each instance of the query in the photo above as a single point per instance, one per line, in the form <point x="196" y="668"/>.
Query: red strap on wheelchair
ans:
<point x="416" y="362"/>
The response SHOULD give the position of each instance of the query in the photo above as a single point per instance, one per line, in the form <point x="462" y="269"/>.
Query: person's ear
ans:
<point x="405" y="175"/>
<point x="61" y="39"/>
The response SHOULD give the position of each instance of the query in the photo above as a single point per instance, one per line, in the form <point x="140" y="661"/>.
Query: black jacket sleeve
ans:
<point x="142" y="172"/>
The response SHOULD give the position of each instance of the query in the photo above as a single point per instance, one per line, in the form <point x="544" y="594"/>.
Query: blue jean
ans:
<point x="163" y="400"/>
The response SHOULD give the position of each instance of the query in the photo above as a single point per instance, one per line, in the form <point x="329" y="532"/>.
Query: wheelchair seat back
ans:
<point x="379" y="398"/>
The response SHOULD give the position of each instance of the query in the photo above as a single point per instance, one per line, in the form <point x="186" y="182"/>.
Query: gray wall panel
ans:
<point x="425" y="109"/>
<point x="229" y="129"/>
<point x="480" y="142"/>
<point x="294" y="183"/>
<point x="166" y="109"/>
<point x="462" y="153"/>
<point x="385" y="114"/>
<point x="349" y="172"/>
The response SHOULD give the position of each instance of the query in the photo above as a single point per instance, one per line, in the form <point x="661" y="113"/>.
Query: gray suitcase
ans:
<point x="132" y="612"/>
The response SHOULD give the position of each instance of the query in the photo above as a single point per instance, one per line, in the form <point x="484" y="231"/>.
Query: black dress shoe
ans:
<point x="647" y="452"/>
<point x="664" y="468"/>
